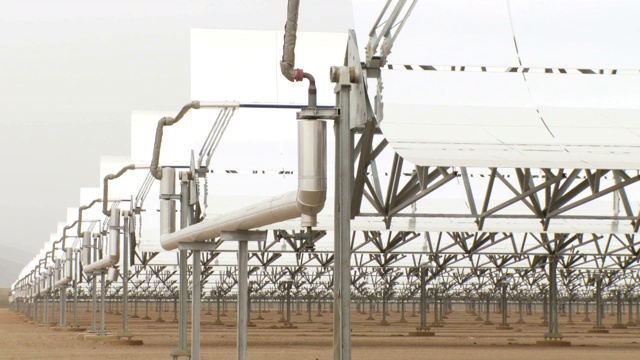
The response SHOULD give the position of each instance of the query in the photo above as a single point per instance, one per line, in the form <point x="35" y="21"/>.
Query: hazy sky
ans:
<point x="71" y="72"/>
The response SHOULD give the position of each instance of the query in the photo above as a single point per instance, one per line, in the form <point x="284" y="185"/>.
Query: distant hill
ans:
<point x="4" y="297"/>
<point x="12" y="260"/>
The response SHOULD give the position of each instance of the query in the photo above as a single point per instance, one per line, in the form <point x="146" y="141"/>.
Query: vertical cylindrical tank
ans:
<point x="167" y="205"/>
<point x="112" y="274"/>
<point x="68" y="268"/>
<point x="114" y="233"/>
<point x="312" y="169"/>
<point x="86" y="248"/>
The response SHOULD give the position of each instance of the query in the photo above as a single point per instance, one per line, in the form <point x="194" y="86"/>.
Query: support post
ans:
<point x="63" y="306"/>
<point x="243" y="237"/>
<point x="243" y="257"/>
<point x="94" y="305"/>
<point x="76" y="260"/>
<point x="342" y="218"/>
<point x="598" y="327"/>
<point x="487" y="320"/>
<point x="586" y="311"/>
<point x="125" y="279"/>
<point x="185" y="220"/>
<point x="182" y="349"/>
<point x="195" y="306"/>
<point x="554" y="331"/>
<point x="103" y="289"/>
<point x="504" y="325"/>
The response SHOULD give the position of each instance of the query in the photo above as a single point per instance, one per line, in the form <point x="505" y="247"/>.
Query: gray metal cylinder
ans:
<point x="58" y="270"/>
<point x="114" y="233"/>
<point x="86" y="248"/>
<point x="312" y="169"/>
<point x="167" y="206"/>
<point x="112" y="274"/>
<point x="68" y="265"/>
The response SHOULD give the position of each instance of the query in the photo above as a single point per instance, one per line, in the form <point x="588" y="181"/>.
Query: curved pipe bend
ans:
<point x="155" y="170"/>
<point x="306" y="202"/>
<point x="113" y="256"/>
<point x="105" y="187"/>
<point x="80" y="210"/>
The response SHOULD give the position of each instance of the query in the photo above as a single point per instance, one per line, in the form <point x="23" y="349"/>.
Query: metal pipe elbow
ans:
<point x="105" y="187"/>
<point x="155" y="170"/>
<point x="80" y="210"/>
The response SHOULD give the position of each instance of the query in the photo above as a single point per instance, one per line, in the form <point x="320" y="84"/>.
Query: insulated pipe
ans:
<point x="68" y="272"/>
<point x="312" y="170"/>
<point x="279" y="208"/>
<point x="62" y="239"/>
<point x="105" y="188"/>
<point x="114" y="245"/>
<point x="167" y="206"/>
<point x="156" y="171"/>
<point x="80" y="210"/>
<point x="57" y="270"/>
<point x="307" y="201"/>
<point x="86" y="248"/>
<point x="288" y="62"/>
<point x="287" y="65"/>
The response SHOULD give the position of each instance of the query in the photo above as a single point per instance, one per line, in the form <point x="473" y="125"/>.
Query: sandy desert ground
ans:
<point x="461" y="337"/>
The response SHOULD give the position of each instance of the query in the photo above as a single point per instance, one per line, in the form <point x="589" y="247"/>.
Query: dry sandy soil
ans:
<point x="461" y="337"/>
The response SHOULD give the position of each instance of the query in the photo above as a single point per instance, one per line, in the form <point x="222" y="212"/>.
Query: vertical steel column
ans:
<point x="553" y="299"/>
<point x="125" y="277"/>
<point x="63" y="305"/>
<point x="487" y="320"/>
<point x="586" y="311"/>
<point x="195" y="304"/>
<point x="243" y="264"/>
<point x="520" y="311"/>
<point x="545" y="308"/>
<point x="435" y="306"/>
<point x="183" y="268"/>
<point x="288" y="304"/>
<point x="94" y="306"/>
<point x="45" y="307"/>
<point x="504" y="306"/>
<point x="53" y="301"/>
<point x="218" y="293"/>
<point x="342" y="235"/>
<point x="103" y="288"/>
<point x="618" y="307"/>
<point x="384" y="308"/>
<point x="570" y="321"/>
<point x="182" y="320"/>
<point x="599" y="314"/>
<point x="76" y="261"/>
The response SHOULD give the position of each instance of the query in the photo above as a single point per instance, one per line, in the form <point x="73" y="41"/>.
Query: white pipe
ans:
<point x="113" y="256"/>
<point x="46" y="281"/>
<point x="312" y="169"/>
<point x="280" y="208"/>
<point x="167" y="206"/>
<point x="307" y="201"/>
<point x="68" y="272"/>
<point x="86" y="248"/>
